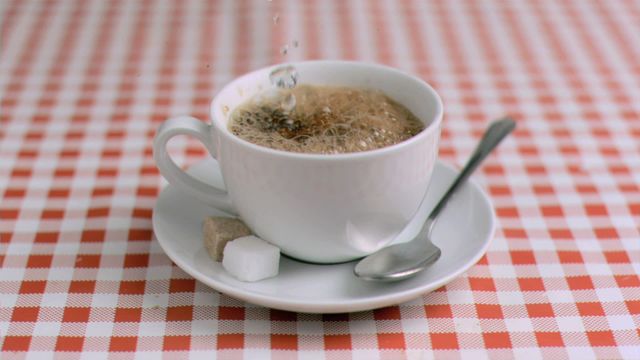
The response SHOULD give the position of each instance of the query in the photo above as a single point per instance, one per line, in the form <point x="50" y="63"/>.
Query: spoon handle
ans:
<point x="498" y="130"/>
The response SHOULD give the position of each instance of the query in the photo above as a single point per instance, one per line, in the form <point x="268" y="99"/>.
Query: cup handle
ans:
<point x="188" y="125"/>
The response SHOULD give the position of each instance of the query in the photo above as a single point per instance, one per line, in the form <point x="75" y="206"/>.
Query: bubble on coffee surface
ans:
<point x="324" y="120"/>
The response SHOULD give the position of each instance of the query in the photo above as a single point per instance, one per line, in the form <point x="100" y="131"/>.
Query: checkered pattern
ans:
<point x="84" y="85"/>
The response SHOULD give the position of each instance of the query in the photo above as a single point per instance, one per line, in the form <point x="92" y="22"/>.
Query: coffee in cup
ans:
<point x="324" y="120"/>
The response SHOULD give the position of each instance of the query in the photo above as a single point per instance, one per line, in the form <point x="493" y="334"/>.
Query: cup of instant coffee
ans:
<point x="328" y="160"/>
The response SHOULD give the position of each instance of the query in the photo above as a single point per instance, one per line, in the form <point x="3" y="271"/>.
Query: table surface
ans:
<point x="84" y="85"/>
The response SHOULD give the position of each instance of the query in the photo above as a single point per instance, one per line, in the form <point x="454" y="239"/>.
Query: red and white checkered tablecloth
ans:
<point x="84" y="85"/>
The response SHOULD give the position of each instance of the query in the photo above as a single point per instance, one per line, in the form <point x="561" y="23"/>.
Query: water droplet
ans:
<point x="276" y="18"/>
<point x="295" y="43"/>
<point x="288" y="102"/>
<point x="284" y="50"/>
<point x="284" y="77"/>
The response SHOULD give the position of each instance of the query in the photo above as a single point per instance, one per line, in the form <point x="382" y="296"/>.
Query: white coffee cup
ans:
<point x="316" y="208"/>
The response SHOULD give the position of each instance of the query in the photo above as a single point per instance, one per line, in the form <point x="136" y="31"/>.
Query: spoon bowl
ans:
<point x="397" y="262"/>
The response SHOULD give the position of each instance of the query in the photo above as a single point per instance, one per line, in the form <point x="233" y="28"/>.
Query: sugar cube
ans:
<point x="218" y="231"/>
<point x="251" y="259"/>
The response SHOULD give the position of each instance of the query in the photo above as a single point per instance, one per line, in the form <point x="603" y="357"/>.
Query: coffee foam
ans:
<point x="324" y="120"/>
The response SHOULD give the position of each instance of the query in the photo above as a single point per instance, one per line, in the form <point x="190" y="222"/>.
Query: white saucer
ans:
<point x="463" y="232"/>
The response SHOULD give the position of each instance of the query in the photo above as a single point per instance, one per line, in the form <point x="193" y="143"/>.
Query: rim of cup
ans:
<point x="221" y="128"/>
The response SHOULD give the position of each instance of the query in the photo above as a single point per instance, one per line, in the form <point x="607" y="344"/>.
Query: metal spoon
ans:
<point x="404" y="260"/>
